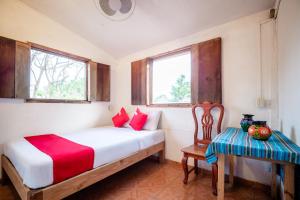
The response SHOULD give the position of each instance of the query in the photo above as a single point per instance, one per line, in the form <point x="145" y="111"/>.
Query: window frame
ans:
<point x="34" y="46"/>
<point x="150" y="78"/>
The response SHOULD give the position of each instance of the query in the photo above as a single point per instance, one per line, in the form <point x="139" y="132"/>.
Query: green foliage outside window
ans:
<point x="181" y="91"/>
<point x="56" y="77"/>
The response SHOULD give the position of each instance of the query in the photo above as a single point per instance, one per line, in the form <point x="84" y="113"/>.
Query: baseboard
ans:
<point x="237" y="180"/>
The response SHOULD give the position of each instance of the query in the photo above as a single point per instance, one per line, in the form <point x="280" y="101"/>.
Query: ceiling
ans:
<point x="152" y="22"/>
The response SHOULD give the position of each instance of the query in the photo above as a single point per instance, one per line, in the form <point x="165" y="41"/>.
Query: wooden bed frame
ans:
<point x="77" y="183"/>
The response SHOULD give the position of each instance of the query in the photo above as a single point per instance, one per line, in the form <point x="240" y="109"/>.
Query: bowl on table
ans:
<point x="259" y="130"/>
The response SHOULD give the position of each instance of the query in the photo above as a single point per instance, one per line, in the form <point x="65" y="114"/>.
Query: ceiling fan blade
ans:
<point x="126" y="6"/>
<point x="104" y="5"/>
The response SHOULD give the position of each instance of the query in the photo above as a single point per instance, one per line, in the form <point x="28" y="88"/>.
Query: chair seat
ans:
<point x="195" y="150"/>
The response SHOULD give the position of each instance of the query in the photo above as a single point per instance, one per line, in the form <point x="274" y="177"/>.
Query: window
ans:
<point x="170" y="79"/>
<point x="57" y="77"/>
<point x="182" y="77"/>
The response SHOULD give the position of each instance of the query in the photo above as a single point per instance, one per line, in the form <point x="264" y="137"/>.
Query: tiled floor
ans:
<point x="149" y="180"/>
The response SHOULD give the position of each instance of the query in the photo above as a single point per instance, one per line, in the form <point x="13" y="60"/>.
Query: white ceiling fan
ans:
<point x="116" y="10"/>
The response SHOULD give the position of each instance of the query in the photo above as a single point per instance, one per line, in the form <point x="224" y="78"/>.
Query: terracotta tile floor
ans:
<point x="149" y="180"/>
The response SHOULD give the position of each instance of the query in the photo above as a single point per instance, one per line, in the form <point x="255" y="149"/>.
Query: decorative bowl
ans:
<point x="259" y="130"/>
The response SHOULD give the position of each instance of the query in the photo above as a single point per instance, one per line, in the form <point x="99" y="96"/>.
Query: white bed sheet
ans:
<point x="109" y="144"/>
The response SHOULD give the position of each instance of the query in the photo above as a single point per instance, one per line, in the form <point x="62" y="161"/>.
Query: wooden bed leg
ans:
<point x="36" y="195"/>
<point x="4" y="179"/>
<point x="10" y="171"/>
<point x="161" y="156"/>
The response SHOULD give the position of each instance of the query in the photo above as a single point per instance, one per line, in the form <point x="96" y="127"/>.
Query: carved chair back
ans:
<point x="207" y="121"/>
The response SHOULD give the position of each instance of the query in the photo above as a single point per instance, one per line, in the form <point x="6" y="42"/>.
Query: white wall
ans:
<point x="240" y="62"/>
<point x="18" y="21"/>
<point x="240" y="65"/>
<point x="289" y="67"/>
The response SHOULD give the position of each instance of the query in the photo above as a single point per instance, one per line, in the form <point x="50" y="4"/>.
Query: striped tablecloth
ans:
<point x="234" y="141"/>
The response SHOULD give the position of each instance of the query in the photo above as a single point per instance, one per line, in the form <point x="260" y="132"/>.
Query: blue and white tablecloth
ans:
<point x="234" y="141"/>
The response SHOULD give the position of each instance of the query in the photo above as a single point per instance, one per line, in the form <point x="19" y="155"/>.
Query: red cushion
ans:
<point x="120" y="118"/>
<point x="138" y="120"/>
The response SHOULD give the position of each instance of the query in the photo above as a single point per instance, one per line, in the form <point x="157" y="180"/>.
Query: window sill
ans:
<point x="172" y="105"/>
<point x="57" y="101"/>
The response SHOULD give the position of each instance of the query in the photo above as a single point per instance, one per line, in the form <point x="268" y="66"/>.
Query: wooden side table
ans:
<point x="289" y="170"/>
<point x="278" y="149"/>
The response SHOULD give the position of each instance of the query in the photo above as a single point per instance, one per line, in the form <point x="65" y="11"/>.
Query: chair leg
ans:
<point x="196" y="166"/>
<point x="214" y="169"/>
<point x="184" y="162"/>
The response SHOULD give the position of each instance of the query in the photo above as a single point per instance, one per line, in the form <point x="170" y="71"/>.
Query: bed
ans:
<point x="31" y="171"/>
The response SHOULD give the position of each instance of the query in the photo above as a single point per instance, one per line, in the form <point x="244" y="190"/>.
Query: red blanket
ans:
<point x="69" y="158"/>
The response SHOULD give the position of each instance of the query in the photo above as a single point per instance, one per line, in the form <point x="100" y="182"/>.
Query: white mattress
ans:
<point x="109" y="144"/>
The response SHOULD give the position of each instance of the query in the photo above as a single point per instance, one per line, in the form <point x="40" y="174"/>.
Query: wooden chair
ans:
<point x="198" y="149"/>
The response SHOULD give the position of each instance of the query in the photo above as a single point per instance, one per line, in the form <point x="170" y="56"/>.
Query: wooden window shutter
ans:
<point x="22" y="70"/>
<point x="7" y="67"/>
<point x="206" y="71"/>
<point x="103" y="82"/>
<point x="92" y="81"/>
<point x="139" y="82"/>
<point x="99" y="82"/>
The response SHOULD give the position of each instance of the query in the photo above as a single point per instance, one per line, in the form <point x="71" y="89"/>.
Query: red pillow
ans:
<point x="120" y="118"/>
<point x="138" y="120"/>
